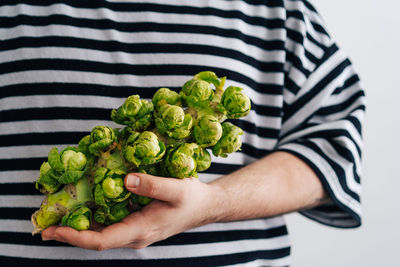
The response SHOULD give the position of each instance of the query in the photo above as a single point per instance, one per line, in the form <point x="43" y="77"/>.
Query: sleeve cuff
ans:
<point x="345" y="211"/>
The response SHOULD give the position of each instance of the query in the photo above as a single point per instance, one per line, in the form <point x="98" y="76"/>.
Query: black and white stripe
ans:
<point x="65" y="64"/>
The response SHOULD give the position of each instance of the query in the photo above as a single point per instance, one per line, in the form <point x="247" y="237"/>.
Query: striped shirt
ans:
<point x="65" y="64"/>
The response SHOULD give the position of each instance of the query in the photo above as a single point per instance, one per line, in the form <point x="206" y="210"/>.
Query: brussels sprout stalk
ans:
<point x="167" y="136"/>
<point x="58" y="204"/>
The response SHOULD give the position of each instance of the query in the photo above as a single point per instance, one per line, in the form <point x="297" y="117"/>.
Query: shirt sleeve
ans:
<point x="324" y="108"/>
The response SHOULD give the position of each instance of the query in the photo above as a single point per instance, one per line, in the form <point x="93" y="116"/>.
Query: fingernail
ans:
<point x="132" y="181"/>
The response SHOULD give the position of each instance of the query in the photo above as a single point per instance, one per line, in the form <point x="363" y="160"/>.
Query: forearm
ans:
<point x="276" y="184"/>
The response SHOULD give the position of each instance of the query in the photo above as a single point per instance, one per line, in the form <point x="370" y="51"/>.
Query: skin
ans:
<point x="276" y="184"/>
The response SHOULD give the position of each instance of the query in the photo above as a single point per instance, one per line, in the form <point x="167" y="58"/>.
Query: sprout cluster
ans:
<point x="167" y="136"/>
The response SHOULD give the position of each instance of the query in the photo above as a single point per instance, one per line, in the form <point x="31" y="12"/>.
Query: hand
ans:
<point x="178" y="205"/>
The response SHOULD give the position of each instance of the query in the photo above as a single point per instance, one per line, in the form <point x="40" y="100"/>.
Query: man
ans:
<point x="63" y="65"/>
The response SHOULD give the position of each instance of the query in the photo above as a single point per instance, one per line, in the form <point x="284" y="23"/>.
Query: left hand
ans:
<point x="178" y="205"/>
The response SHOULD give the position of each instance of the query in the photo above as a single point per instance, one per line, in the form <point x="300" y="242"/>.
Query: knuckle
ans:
<point x="146" y="236"/>
<point x="186" y="192"/>
<point x="100" y="247"/>
<point x="143" y="237"/>
<point x="139" y="245"/>
<point x="182" y="196"/>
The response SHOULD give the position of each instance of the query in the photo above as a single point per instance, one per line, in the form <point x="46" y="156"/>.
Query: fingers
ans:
<point x="114" y="236"/>
<point x="48" y="233"/>
<point x="165" y="189"/>
<point x="83" y="239"/>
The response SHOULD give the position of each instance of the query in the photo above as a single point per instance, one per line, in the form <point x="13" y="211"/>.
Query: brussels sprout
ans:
<point x="143" y="149"/>
<point x="113" y="187"/>
<point x="79" y="218"/>
<point x="109" y="186"/>
<point x="180" y="161"/>
<point x="165" y="96"/>
<point x="141" y="200"/>
<point x="119" y="211"/>
<point x="69" y="165"/>
<point x="203" y="159"/>
<point x="58" y="204"/>
<point x="100" y="215"/>
<point x="134" y="112"/>
<point x="234" y="103"/>
<point x="115" y="161"/>
<point x="101" y="138"/>
<point x="208" y="131"/>
<point x="153" y="169"/>
<point x="144" y="116"/>
<point x="197" y="92"/>
<point x="111" y="161"/>
<point x="211" y="77"/>
<point x="73" y="160"/>
<point x="47" y="183"/>
<point x="230" y="140"/>
<point x="112" y="214"/>
<point x="173" y="122"/>
<point x="74" y="163"/>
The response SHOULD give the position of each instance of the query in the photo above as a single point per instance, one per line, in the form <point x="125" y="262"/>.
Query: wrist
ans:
<point x="217" y="204"/>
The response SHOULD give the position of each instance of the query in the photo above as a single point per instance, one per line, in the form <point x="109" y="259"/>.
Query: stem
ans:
<point x="219" y="90"/>
<point x="211" y="109"/>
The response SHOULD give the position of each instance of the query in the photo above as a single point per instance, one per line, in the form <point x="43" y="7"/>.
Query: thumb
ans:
<point x="161" y="188"/>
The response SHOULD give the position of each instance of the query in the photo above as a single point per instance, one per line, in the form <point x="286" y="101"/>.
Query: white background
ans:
<point x="369" y="32"/>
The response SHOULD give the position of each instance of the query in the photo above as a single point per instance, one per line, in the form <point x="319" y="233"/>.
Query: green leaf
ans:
<point x="55" y="160"/>
<point x="100" y="174"/>
<point x="69" y="177"/>
<point x="100" y="215"/>
<point x="99" y="196"/>
<point x="83" y="144"/>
